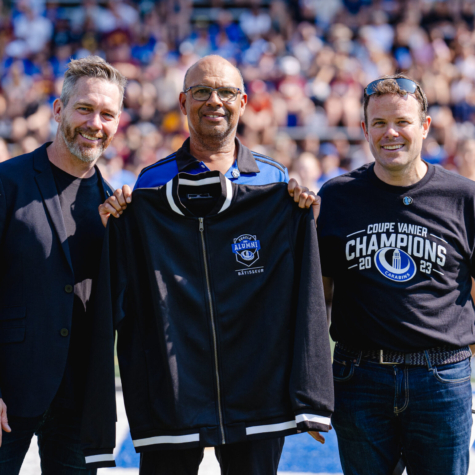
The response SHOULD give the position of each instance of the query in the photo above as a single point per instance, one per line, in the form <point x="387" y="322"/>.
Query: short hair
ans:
<point x="91" y="67"/>
<point x="194" y="64"/>
<point x="389" y="86"/>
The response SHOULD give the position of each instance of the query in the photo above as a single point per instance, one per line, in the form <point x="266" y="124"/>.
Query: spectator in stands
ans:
<point x="465" y="158"/>
<point x="307" y="170"/>
<point x="330" y="163"/>
<point x="255" y="22"/>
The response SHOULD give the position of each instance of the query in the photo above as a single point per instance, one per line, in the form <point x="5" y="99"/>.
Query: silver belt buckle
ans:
<point x="381" y="359"/>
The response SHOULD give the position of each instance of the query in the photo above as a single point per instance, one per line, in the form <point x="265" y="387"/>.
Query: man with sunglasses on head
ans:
<point x="397" y="240"/>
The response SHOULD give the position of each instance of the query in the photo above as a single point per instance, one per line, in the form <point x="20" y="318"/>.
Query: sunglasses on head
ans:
<point x="407" y="85"/>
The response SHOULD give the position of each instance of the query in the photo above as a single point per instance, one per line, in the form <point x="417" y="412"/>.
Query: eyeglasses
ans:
<point x="203" y="93"/>
<point x="407" y="85"/>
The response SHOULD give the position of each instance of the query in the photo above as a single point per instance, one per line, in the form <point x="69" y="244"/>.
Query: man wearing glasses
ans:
<point x="213" y="99"/>
<point x="397" y="240"/>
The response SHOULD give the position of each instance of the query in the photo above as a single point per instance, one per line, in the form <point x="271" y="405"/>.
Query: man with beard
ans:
<point x="51" y="239"/>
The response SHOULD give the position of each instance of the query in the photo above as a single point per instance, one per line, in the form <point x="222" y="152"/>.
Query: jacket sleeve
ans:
<point x="311" y="381"/>
<point x="99" y="414"/>
<point x="3" y="215"/>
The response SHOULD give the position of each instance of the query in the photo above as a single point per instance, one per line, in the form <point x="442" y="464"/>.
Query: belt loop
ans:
<point x="358" y="360"/>
<point x="429" y="365"/>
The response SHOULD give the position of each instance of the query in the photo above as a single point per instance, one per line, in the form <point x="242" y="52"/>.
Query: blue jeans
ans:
<point x="383" y="411"/>
<point x="58" y="442"/>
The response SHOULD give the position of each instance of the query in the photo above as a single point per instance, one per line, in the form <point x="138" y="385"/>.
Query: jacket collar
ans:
<point x="200" y="180"/>
<point x="245" y="160"/>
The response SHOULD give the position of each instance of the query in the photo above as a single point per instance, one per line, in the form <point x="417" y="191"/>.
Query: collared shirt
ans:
<point x="249" y="168"/>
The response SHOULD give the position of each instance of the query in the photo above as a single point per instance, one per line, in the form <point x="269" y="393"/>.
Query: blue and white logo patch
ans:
<point x="395" y="264"/>
<point x="246" y="248"/>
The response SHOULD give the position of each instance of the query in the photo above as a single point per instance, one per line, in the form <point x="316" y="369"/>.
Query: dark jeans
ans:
<point x="383" y="411"/>
<point x="259" y="457"/>
<point x="58" y="442"/>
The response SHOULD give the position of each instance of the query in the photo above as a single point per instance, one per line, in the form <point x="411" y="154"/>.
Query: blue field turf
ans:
<point x="301" y="454"/>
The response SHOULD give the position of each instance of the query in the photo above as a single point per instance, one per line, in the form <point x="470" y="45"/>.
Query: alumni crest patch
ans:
<point x="246" y="248"/>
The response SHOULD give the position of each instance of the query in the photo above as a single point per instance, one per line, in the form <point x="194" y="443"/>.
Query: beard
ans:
<point x="208" y="134"/>
<point x="81" y="151"/>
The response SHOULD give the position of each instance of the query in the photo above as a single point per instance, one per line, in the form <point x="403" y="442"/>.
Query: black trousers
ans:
<point x="259" y="457"/>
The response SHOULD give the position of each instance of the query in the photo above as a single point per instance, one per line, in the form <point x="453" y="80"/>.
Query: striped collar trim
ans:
<point x="200" y="180"/>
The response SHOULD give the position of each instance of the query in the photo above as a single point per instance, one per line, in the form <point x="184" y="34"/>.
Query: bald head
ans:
<point x="213" y="65"/>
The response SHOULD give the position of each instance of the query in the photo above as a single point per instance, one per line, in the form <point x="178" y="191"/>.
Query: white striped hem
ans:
<point x="312" y="418"/>
<point x="167" y="439"/>
<point x="271" y="428"/>
<point x="100" y="458"/>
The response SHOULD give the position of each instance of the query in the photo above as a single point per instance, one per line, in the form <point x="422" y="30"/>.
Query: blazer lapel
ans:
<point x="49" y="193"/>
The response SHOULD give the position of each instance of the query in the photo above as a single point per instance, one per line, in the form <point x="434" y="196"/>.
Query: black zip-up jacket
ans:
<point x="222" y="329"/>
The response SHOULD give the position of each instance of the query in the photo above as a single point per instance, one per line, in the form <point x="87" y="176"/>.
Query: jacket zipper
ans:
<point x="213" y="327"/>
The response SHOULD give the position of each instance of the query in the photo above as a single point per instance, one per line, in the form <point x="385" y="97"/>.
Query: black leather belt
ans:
<point x="437" y="356"/>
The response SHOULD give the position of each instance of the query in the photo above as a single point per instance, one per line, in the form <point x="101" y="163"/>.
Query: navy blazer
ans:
<point x="36" y="284"/>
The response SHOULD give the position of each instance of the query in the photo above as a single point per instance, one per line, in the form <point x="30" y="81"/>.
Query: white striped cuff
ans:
<point x="287" y="425"/>
<point x="100" y="458"/>
<point x="167" y="439"/>
<point x="313" y="418"/>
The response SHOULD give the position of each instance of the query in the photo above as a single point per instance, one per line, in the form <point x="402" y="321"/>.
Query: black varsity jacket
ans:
<point x="216" y="292"/>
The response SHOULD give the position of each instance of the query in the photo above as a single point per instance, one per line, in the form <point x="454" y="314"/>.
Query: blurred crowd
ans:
<point x="305" y="64"/>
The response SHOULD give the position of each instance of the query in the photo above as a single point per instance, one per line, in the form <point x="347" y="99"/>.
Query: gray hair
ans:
<point x="91" y="67"/>
<point x="193" y="65"/>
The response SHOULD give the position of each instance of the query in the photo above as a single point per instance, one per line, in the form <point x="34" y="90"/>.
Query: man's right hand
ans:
<point x="115" y="204"/>
<point x="317" y="436"/>
<point x="3" y="419"/>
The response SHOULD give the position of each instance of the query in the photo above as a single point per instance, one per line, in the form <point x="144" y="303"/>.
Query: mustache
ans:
<point x="89" y="132"/>
<point x="213" y="111"/>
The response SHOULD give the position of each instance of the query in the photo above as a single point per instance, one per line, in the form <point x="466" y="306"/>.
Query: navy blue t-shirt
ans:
<point x="401" y="258"/>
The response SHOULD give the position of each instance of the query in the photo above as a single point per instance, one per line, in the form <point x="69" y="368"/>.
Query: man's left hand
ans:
<point x="304" y="197"/>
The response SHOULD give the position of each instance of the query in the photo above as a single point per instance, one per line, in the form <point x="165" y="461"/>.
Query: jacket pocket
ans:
<point x="12" y="324"/>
